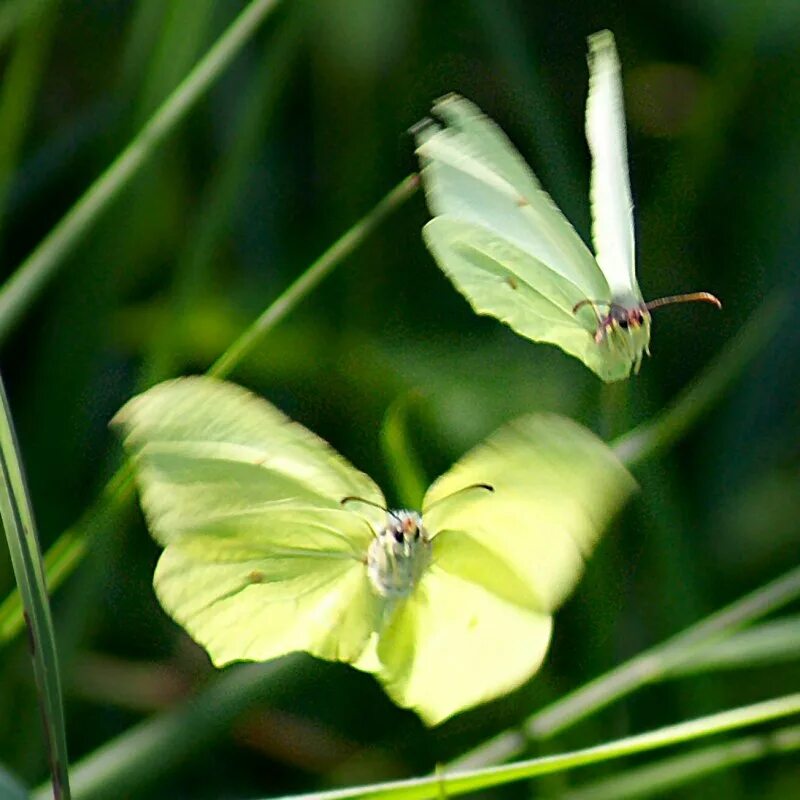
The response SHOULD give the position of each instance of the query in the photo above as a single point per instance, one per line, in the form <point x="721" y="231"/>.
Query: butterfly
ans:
<point x="273" y="543"/>
<point x="510" y="251"/>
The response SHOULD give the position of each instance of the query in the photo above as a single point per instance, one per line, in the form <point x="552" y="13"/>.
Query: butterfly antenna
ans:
<point x="354" y="499"/>
<point x="486" y="486"/>
<point x="693" y="297"/>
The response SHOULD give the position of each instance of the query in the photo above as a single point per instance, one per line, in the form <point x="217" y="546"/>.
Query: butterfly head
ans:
<point x="626" y="330"/>
<point x="622" y="327"/>
<point x="399" y="554"/>
<point x="627" y="317"/>
<point x="625" y="325"/>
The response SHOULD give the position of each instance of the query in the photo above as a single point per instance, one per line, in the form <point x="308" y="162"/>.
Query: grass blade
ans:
<point x="16" y="13"/>
<point x="218" y="204"/>
<point x="400" y="455"/>
<point x="669" y="774"/>
<point x="432" y="786"/>
<point x="315" y="273"/>
<point x="68" y="551"/>
<point x="17" y="516"/>
<point x="42" y="264"/>
<point x="769" y="643"/>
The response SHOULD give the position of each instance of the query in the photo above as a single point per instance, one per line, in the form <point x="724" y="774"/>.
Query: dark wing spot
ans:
<point x="512" y="282"/>
<point x="256" y="576"/>
<point x="522" y="201"/>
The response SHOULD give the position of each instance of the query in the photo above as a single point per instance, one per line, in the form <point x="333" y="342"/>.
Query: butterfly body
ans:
<point x="398" y="555"/>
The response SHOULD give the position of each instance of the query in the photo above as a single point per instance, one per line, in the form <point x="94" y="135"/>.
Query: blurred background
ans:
<point x="296" y="141"/>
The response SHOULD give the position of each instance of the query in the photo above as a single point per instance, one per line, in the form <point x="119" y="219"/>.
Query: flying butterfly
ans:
<point x="510" y="251"/>
<point x="273" y="543"/>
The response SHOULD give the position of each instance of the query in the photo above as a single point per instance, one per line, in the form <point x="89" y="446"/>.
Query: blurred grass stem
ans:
<point x="668" y="774"/>
<point x="309" y="280"/>
<point x="21" y="289"/>
<point x="18" y="521"/>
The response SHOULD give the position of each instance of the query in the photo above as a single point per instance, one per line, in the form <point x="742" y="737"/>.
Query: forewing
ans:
<point x="203" y="448"/>
<point x="502" y="280"/>
<point x="254" y="586"/>
<point x="612" y="206"/>
<point x="454" y="644"/>
<point x="472" y="172"/>
<point x="556" y="488"/>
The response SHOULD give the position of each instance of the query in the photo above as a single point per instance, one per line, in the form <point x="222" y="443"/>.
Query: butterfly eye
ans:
<point x="623" y="323"/>
<point x="416" y="534"/>
<point x="398" y="536"/>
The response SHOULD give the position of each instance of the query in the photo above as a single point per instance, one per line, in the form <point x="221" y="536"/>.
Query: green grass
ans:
<point x="20" y="529"/>
<point x="230" y="153"/>
<point x="40" y="267"/>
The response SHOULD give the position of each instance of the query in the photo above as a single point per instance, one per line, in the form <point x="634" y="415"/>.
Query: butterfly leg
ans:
<point x="604" y="326"/>
<point x="600" y="333"/>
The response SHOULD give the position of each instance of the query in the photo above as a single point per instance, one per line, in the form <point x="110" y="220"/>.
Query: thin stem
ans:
<point x="432" y="786"/>
<point x="69" y="549"/>
<point x="668" y="774"/>
<point x="16" y="513"/>
<point x="42" y="264"/>
<point x="312" y="277"/>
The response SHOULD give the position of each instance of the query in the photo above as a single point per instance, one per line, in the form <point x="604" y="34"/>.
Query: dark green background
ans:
<point x="301" y="137"/>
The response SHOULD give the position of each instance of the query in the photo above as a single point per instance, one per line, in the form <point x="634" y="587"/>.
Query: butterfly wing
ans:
<point x="612" y="206"/>
<point x="556" y="487"/>
<point x="247" y="594"/>
<point x="503" y="242"/>
<point x="204" y="447"/>
<point x="502" y="280"/>
<point x="503" y="561"/>
<point x="472" y="172"/>
<point x="261" y="558"/>
<point x="454" y="644"/>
